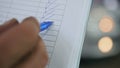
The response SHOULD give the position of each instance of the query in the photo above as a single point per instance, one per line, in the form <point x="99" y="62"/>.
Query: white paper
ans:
<point x="65" y="38"/>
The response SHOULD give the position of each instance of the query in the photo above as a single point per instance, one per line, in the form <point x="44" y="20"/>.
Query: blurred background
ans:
<point x="101" y="47"/>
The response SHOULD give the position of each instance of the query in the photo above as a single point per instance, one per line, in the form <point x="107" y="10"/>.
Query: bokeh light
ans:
<point x="105" y="44"/>
<point x="106" y="24"/>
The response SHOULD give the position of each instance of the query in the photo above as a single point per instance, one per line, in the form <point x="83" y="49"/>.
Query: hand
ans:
<point x="21" y="46"/>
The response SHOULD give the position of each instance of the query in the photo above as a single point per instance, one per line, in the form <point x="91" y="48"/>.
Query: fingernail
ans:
<point x="13" y="20"/>
<point x="32" y="20"/>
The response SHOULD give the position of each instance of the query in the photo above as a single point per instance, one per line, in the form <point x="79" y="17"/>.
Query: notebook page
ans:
<point x="64" y="39"/>
<point x="69" y="42"/>
<point x="43" y="10"/>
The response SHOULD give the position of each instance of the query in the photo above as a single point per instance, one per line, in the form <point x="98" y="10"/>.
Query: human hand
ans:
<point x="21" y="46"/>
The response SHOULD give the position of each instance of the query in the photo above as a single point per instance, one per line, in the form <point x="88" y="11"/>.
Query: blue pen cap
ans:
<point x="45" y="25"/>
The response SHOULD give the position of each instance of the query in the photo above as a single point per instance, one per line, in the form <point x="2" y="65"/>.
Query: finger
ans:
<point x="20" y="40"/>
<point x="43" y="54"/>
<point x="38" y="58"/>
<point x="7" y="25"/>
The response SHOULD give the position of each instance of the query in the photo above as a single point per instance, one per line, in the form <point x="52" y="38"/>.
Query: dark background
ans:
<point x="101" y="62"/>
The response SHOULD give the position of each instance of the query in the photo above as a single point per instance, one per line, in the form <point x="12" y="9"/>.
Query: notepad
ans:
<point x="64" y="39"/>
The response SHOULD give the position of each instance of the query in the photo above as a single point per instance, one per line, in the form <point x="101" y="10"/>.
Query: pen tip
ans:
<point x="45" y="25"/>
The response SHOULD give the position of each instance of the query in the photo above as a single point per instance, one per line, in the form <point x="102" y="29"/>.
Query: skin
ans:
<point x="21" y="46"/>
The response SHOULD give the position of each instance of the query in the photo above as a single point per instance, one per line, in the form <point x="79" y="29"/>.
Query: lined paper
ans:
<point x="54" y="11"/>
<point x="43" y="10"/>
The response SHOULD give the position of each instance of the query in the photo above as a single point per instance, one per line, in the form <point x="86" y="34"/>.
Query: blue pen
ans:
<point x="45" y="25"/>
